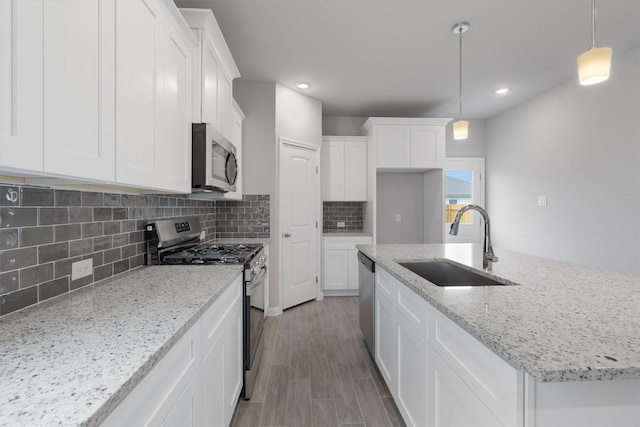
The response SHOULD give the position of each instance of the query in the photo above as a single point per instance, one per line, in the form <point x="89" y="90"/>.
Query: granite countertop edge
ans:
<point x="346" y="233"/>
<point x="102" y="303"/>
<point x="422" y="288"/>
<point x="115" y="399"/>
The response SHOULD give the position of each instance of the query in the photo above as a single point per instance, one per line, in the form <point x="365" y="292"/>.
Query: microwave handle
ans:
<point x="232" y="180"/>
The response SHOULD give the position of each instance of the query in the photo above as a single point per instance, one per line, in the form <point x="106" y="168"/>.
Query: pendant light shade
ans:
<point x="461" y="127"/>
<point x="594" y="65"/>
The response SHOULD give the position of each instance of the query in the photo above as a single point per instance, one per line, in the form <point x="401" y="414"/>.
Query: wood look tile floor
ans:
<point x="316" y="371"/>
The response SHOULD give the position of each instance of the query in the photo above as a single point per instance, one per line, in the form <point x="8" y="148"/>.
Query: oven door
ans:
<point x="254" y="317"/>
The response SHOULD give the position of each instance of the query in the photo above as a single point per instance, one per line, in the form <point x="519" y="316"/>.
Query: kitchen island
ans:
<point x="72" y="360"/>
<point x="566" y="328"/>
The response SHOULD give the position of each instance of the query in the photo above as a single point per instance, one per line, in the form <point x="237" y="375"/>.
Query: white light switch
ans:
<point x="542" y="201"/>
<point x="398" y="218"/>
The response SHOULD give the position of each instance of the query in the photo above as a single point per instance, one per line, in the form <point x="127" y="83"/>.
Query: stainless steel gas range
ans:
<point x="178" y="242"/>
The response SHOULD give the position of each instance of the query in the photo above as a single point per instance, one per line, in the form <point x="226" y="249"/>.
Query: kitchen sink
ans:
<point x="444" y="273"/>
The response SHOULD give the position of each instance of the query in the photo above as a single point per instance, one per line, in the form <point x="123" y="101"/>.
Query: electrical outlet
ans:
<point x="542" y="201"/>
<point x="340" y="224"/>
<point x="81" y="269"/>
<point x="398" y="218"/>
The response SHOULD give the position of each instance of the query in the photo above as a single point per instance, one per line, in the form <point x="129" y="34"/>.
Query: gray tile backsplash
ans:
<point x="351" y="213"/>
<point x="43" y="231"/>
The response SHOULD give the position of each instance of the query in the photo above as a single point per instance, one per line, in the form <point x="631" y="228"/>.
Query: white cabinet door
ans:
<point x="233" y="362"/>
<point x="413" y="357"/>
<point x="451" y="401"/>
<point x="427" y="147"/>
<point x="385" y="340"/>
<point x="209" y="92"/>
<point x="174" y="123"/>
<point x="224" y="103"/>
<point x="213" y="400"/>
<point x="394" y="146"/>
<point x="187" y="411"/>
<point x="137" y="26"/>
<point x="333" y="171"/>
<point x="355" y="171"/>
<point x="353" y="269"/>
<point x="336" y="269"/>
<point x="153" y="99"/>
<point x="21" y="38"/>
<point x="79" y="88"/>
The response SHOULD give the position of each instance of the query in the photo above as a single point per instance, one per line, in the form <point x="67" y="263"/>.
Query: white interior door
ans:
<point x="463" y="185"/>
<point x="299" y="201"/>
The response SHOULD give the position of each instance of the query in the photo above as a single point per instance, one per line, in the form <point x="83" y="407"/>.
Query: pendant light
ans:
<point x="594" y="64"/>
<point x="461" y="127"/>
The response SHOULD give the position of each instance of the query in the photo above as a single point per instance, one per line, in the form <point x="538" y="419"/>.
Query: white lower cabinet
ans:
<point x="186" y="411"/>
<point x="438" y="374"/>
<point x="451" y="402"/>
<point x="385" y="337"/>
<point x="198" y="382"/>
<point x="340" y="263"/>
<point x="413" y="356"/>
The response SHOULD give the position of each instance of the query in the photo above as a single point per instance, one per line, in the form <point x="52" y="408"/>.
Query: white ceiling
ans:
<point x="400" y="58"/>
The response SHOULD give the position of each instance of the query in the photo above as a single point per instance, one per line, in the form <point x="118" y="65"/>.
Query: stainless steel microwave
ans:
<point x="214" y="163"/>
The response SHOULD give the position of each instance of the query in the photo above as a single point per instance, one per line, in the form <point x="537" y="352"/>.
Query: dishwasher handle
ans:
<point x="366" y="262"/>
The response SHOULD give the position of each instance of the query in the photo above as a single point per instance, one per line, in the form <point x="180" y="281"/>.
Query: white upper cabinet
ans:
<point x="21" y="38"/>
<point x="137" y="90"/>
<point x="153" y="81"/>
<point x="97" y="91"/>
<point x="175" y="110"/>
<point x="344" y="169"/>
<point x="214" y="72"/>
<point x="407" y="143"/>
<point x="79" y="88"/>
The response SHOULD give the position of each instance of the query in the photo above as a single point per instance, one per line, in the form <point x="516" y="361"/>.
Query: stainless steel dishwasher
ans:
<point x="366" y="280"/>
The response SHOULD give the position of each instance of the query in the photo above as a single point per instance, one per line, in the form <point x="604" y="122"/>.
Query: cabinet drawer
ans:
<point x="345" y="242"/>
<point x="151" y="400"/>
<point x="498" y="385"/>
<point x="385" y="285"/>
<point x="414" y="309"/>
<point x="212" y="319"/>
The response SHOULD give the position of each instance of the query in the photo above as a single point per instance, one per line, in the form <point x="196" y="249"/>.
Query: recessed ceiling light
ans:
<point x="502" y="90"/>
<point x="303" y="85"/>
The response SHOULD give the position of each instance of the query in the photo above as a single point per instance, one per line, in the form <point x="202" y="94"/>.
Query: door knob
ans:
<point x="287" y="234"/>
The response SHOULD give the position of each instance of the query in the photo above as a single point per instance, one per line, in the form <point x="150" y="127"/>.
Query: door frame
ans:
<point x="476" y="163"/>
<point x="282" y="141"/>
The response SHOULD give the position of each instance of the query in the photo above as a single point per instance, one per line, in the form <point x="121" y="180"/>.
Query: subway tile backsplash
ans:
<point x="43" y="231"/>
<point x="351" y="213"/>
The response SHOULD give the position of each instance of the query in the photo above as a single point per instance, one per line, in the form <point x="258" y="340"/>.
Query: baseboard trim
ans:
<point x="274" y="311"/>
<point x="341" y="293"/>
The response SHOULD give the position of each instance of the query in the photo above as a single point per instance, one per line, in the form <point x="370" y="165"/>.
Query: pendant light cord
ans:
<point x="593" y="23"/>
<point x="460" y="81"/>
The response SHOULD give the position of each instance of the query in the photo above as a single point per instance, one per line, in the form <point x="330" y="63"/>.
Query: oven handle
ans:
<point x="257" y="281"/>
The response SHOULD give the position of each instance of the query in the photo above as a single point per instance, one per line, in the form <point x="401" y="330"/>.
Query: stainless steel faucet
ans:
<point x="488" y="256"/>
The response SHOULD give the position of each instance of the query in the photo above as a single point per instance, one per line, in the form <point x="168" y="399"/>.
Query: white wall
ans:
<point x="342" y="125"/>
<point x="273" y="111"/>
<point x="258" y="102"/>
<point x="400" y="193"/>
<point x="473" y="146"/>
<point x="580" y="147"/>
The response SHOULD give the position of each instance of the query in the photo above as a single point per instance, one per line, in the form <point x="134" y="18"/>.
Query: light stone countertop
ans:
<point x="346" y="233"/>
<point x="264" y="241"/>
<point x="71" y="360"/>
<point x="562" y="323"/>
